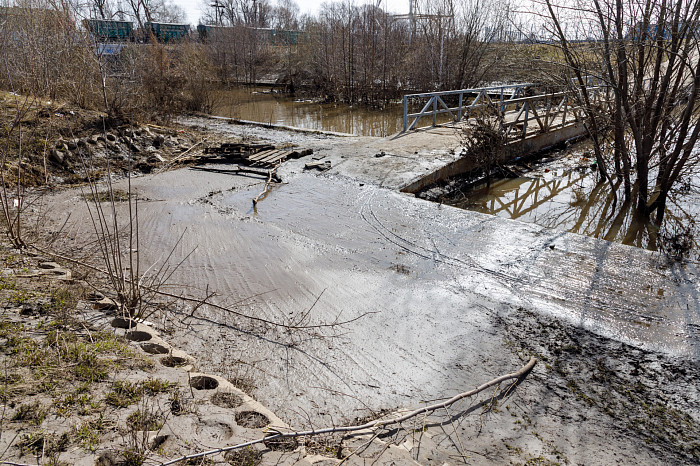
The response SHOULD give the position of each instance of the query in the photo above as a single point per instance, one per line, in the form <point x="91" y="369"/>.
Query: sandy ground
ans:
<point x="444" y="299"/>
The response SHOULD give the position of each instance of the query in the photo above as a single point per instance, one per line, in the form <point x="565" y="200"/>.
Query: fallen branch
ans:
<point x="263" y="194"/>
<point x="186" y="152"/>
<point x="369" y="425"/>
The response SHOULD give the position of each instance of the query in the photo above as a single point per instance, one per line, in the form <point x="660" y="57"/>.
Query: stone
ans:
<point x="155" y="158"/>
<point x="132" y="147"/>
<point x="57" y="156"/>
<point x="318" y="165"/>
<point x="158" y="140"/>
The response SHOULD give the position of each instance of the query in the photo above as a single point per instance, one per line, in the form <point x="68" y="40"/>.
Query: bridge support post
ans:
<point x="435" y="111"/>
<point x="405" y="113"/>
<point x="459" y="112"/>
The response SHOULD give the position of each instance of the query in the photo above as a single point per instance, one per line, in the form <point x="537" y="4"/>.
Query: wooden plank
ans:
<point x="275" y="155"/>
<point x="261" y="155"/>
<point x="271" y="161"/>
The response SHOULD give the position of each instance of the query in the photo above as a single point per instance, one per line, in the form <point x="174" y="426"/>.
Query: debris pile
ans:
<point x="256" y="155"/>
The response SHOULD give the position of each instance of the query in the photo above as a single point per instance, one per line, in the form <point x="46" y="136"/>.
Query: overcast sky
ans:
<point x="193" y="7"/>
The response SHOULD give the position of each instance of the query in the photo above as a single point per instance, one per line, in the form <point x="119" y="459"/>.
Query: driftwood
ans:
<point x="270" y="176"/>
<point x="369" y="425"/>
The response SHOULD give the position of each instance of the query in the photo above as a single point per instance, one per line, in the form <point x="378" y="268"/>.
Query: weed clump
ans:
<point x="153" y="386"/>
<point x="33" y="413"/>
<point x="145" y="420"/>
<point x="123" y="394"/>
<point x="43" y="443"/>
<point x="87" y="434"/>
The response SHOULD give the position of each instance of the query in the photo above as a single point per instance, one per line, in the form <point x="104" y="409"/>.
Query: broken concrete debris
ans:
<point x="325" y="165"/>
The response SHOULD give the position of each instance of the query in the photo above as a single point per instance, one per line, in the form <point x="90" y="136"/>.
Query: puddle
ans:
<point x="566" y="193"/>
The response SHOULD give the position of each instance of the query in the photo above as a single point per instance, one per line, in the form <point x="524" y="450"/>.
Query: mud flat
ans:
<point x="437" y="299"/>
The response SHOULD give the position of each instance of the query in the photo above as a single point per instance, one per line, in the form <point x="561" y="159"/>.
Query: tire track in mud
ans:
<point x="584" y="280"/>
<point x="369" y="216"/>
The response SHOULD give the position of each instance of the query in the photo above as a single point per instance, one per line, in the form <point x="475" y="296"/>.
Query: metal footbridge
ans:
<point x="530" y="118"/>
<point x="523" y="107"/>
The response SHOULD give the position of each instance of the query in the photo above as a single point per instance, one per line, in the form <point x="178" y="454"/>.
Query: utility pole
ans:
<point x="412" y="21"/>
<point x="120" y="10"/>
<point x="218" y="17"/>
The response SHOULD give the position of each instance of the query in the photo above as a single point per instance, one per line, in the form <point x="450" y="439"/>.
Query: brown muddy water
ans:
<point x="564" y="192"/>
<point x="265" y="106"/>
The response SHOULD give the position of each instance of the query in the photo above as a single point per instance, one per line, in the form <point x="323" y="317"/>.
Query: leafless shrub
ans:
<point x="484" y="140"/>
<point x="199" y="90"/>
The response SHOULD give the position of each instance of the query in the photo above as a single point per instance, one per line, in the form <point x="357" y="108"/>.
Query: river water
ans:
<point x="265" y="106"/>
<point x="565" y="192"/>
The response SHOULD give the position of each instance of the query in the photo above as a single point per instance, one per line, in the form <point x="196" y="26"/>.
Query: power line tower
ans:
<point x="218" y="16"/>
<point x="412" y="17"/>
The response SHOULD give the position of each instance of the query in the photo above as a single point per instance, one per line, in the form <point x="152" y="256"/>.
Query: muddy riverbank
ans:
<point x="436" y="300"/>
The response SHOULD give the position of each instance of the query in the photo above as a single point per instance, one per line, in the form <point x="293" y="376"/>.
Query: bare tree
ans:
<point x="647" y="55"/>
<point x="285" y="15"/>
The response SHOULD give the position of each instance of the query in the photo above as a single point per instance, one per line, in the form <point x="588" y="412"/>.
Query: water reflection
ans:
<point x="575" y="199"/>
<point x="262" y="105"/>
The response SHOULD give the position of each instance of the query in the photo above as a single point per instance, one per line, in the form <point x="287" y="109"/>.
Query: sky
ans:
<point x="193" y="8"/>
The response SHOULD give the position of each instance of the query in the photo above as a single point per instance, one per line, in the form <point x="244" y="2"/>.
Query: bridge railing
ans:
<point x="520" y="112"/>
<point x="468" y="100"/>
<point x="547" y="112"/>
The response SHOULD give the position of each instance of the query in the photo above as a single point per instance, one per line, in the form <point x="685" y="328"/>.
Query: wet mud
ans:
<point x="429" y="295"/>
<point x="649" y="396"/>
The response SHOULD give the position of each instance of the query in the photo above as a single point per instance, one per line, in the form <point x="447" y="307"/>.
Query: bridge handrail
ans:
<point x="515" y="90"/>
<point x="527" y="106"/>
<point x="470" y="90"/>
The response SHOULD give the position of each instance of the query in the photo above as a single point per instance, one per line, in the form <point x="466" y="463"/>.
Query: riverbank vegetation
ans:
<point x="346" y="53"/>
<point x="645" y="56"/>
